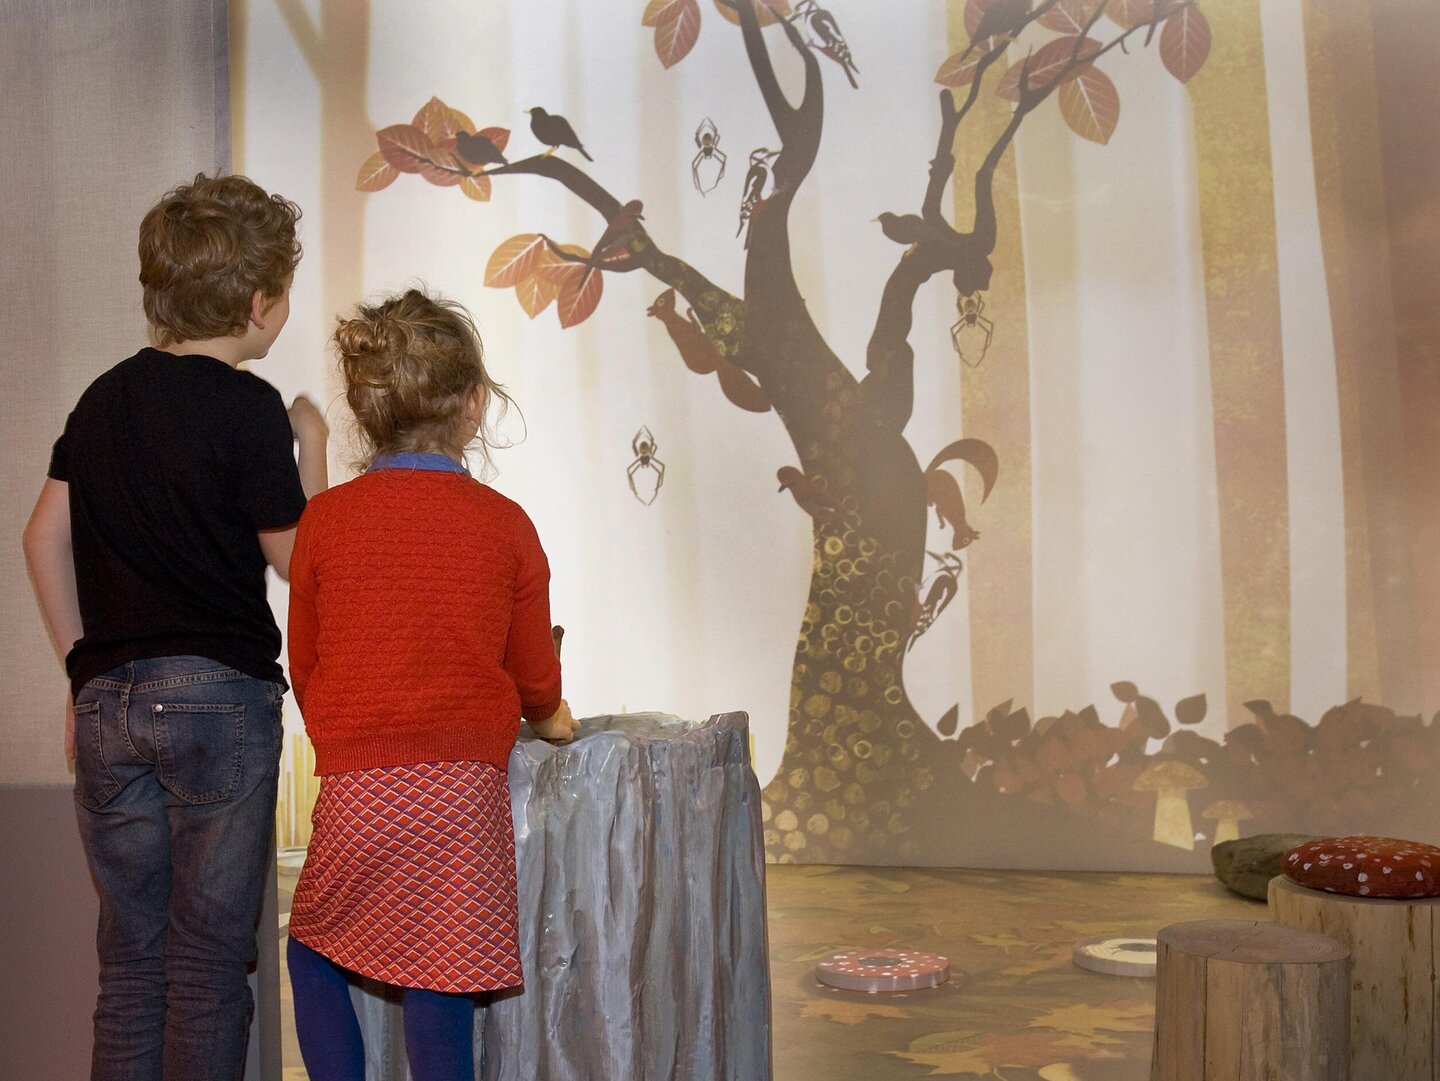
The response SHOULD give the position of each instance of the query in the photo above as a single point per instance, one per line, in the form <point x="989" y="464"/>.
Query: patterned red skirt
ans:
<point x="410" y="877"/>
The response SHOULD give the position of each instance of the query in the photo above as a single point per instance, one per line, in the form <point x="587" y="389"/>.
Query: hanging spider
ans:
<point x="644" y="446"/>
<point x="707" y="138"/>
<point x="971" y="326"/>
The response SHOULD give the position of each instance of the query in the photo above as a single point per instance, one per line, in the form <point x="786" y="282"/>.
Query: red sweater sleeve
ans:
<point x="304" y="625"/>
<point x="529" y="651"/>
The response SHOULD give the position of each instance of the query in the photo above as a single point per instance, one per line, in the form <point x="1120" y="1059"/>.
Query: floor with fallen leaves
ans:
<point x="1016" y="1008"/>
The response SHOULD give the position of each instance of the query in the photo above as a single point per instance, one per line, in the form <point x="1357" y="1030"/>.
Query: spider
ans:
<point x="644" y="446"/>
<point x="971" y="307"/>
<point x="707" y="138"/>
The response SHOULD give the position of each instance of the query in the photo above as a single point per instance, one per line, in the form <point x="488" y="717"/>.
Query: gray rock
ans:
<point x="642" y="905"/>
<point x="1246" y="866"/>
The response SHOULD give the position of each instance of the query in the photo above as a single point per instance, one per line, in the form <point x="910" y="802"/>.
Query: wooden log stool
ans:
<point x="1238" y="1000"/>
<point x="1395" y="951"/>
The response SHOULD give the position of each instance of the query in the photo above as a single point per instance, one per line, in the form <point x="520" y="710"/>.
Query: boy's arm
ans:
<point x="313" y="434"/>
<point x="51" y="560"/>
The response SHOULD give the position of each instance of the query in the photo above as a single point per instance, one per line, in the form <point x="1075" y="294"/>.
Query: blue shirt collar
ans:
<point x="438" y="463"/>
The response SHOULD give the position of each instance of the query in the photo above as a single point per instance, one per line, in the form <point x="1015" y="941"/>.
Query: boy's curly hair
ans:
<point x="411" y="363"/>
<point x="206" y="248"/>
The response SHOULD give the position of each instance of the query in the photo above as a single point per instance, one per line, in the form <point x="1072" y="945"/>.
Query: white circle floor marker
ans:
<point x="1116" y="956"/>
<point x="883" y="970"/>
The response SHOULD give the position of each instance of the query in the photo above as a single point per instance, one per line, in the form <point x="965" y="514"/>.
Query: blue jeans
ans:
<point x="177" y="760"/>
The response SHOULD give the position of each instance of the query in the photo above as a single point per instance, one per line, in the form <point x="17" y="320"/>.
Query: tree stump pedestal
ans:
<point x="1395" y="952"/>
<point x="1238" y="1000"/>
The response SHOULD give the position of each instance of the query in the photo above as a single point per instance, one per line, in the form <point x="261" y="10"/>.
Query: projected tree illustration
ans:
<point x="864" y="778"/>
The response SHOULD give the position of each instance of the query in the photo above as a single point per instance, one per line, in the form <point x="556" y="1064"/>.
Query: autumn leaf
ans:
<point x="770" y="11"/>
<point x="556" y="269"/>
<point x="1128" y="13"/>
<point x="514" y="260"/>
<point x="405" y="147"/>
<point x="1125" y="691"/>
<point x="1185" y="43"/>
<point x="1090" y="104"/>
<point x="1047" y="65"/>
<point x="677" y="27"/>
<point x="948" y="1056"/>
<point x="476" y="187"/>
<point x="960" y="69"/>
<point x="848" y="1011"/>
<point x="376" y="173"/>
<point x="1069" y="16"/>
<point x="536" y="294"/>
<point x="1190" y="710"/>
<point x="440" y="122"/>
<point x="579" y="294"/>
<point x="1091" y="1022"/>
<point x="446" y="170"/>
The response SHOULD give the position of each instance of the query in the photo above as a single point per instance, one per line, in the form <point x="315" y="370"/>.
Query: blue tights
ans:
<point x="437" y="1026"/>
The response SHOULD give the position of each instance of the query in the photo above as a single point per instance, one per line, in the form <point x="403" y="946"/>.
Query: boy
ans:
<point x="172" y="487"/>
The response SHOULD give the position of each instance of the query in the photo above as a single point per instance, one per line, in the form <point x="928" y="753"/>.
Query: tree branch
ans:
<point x="780" y="109"/>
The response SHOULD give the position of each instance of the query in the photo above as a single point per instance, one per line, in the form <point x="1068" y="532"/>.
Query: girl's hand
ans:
<point x="559" y="727"/>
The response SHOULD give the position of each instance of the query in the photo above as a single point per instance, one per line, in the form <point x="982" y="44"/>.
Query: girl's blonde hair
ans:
<point x="411" y="363"/>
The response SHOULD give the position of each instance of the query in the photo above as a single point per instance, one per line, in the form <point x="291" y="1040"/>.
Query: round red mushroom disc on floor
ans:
<point x="883" y="970"/>
<point x="1366" y="867"/>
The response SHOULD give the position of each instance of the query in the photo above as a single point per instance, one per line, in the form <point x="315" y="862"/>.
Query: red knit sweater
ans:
<point x="419" y="622"/>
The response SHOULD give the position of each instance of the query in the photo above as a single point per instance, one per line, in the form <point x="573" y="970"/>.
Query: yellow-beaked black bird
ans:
<point x="554" y="132"/>
<point x="478" y="149"/>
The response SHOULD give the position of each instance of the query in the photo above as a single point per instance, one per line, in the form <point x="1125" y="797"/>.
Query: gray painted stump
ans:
<point x="1237" y="1000"/>
<point x="642" y="913"/>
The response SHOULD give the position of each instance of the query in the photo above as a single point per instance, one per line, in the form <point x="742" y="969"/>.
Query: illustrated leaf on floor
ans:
<point x="848" y="1011"/>
<point x="991" y="1052"/>
<point x="1088" y="1022"/>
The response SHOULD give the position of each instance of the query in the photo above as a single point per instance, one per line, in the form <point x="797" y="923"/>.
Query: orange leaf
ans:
<point x="1090" y="104"/>
<point x="376" y="173"/>
<point x="499" y="136"/>
<point x="447" y="169"/>
<point x="557" y="270"/>
<point x="1068" y="16"/>
<point x="514" y="260"/>
<point x="766" y="9"/>
<point x="676" y="30"/>
<point x="975" y="11"/>
<point x="405" y="146"/>
<point x="957" y="72"/>
<point x="476" y="187"/>
<point x="1046" y="65"/>
<point x="535" y="294"/>
<point x="1128" y="13"/>
<point x="1185" y="43"/>
<point x="439" y="122"/>
<point x="579" y="294"/>
<point x="658" y="12"/>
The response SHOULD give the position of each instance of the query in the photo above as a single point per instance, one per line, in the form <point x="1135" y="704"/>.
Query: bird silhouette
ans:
<point x="701" y="357"/>
<point x="832" y="43"/>
<point x="754" y="188"/>
<point x="618" y="229"/>
<point x="808" y="493"/>
<point x="1004" y="19"/>
<point x="555" y="132"/>
<point x="903" y="228"/>
<point x="478" y="149"/>
<point x="939" y="590"/>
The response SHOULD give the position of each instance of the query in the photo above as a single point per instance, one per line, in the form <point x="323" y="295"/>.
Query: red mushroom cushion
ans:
<point x="1366" y="867"/>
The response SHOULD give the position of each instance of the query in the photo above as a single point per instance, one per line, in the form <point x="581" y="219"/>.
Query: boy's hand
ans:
<point x="306" y="420"/>
<point x="559" y="727"/>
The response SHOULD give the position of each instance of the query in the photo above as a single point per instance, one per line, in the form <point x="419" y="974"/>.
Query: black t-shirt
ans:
<point x="175" y="464"/>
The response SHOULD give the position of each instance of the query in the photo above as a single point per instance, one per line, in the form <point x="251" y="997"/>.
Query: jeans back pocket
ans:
<point x="199" y="749"/>
<point x="95" y="785"/>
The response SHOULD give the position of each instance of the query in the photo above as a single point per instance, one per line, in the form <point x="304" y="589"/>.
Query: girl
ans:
<point x="419" y="636"/>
